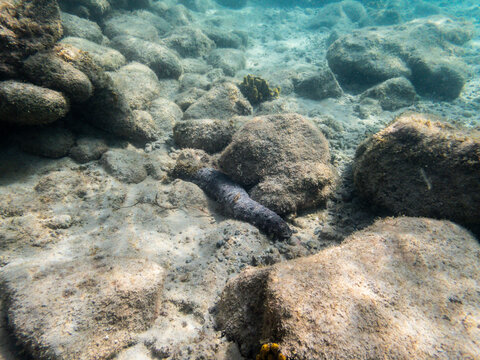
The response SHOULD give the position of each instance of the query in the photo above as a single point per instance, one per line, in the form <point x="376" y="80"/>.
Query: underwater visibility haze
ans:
<point x="239" y="179"/>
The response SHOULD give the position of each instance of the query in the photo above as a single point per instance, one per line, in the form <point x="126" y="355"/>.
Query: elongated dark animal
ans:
<point x="238" y="203"/>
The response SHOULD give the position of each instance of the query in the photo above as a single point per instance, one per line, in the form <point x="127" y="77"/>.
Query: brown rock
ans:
<point x="419" y="167"/>
<point x="404" y="288"/>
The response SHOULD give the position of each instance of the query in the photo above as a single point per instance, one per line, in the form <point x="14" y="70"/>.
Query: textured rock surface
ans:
<point x="128" y="24"/>
<point x="159" y="58"/>
<point x="27" y="104"/>
<point x="318" y="85"/>
<point x="105" y="57"/>
<point x="79" y="27"/>
<point x="392" y="94"/>
<point x="420" y="167"/>
<point x="52" y="142"/>
<point x="189" y="42"/>
<point x="27" y="27"/>
<point x="205" y="134"/>
<point x="165" y="114"/>
<point x="82" y="309"/>
<point x="229" y="60"/>
<point x="403" y="288"/>
<point x="286" y="160"/>
<point x="87" y="149"/>
<point x="223" y="101"/>
<point x="126" y="165"/>
<point x="49" y="70"/>
<point x="422" y="50"/>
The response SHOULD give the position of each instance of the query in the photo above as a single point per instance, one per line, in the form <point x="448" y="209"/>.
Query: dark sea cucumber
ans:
<point x="238" y="203"/>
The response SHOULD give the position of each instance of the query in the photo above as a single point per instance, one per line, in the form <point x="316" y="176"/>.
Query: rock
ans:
<point x="221" y="102"/>
<point x="283" y="159"/>
<point x="81" y="28"/>
<point x="278" y="106"/>
<point x="88" y="149"/>
<point x="89" y="8"/>
<point x="126" y="165"/>
<point x="178" y="15"/>
<point x="421" y="50"/>
<point x="392" y="94"/>
<point x="234" y="4"/>
<point x="189" y="42"/>
<point x="165" y="114"/>
<point x="231" y="39"/>
<point x="419" y="167"/>
<point x="188" y="97"/>
<point x="27" y="104"/>
<point x="197" y="66"/>
<point x="138" y="83"/>
<point x="424" y="9"/>
<point x="199" y="5"/>
<point x="195" y="81"/>
<point x="82" y="309"/>
<point x="159" y="58"/>
<point x="342" y="14"/>
<point x="318" y="85"/>
<point x="229" y="60"/>
<point x="51" y="142"/>
<point x="144" y="128"/>
<point x="206" y="134"/>
<point x="127" y="24"/>
<point x="387" y="17"/>
<point x="49" y="70"/>
<point x="105" y="57"/>
<point x="162" y="26"/>
<point x="352" y="301"/>
<point x="27" y="27"/>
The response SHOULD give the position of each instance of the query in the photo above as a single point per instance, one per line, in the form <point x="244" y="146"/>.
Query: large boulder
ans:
<point x="28" y="104"/>
<point x="422" y="50"/>
<point x="229" y="60"/>
<point x="420" y="167"/>
<point x="392" y="94"/>
<point x="223" y="101"/>
<point x="318" y="84"/>
<point x="405" y="288"/>
<point x="129" y="24"/>
<point x="104" y="57"/>
<point x="82" y="309"/>
<point x="284" y="159"/>
<point x="50" y="70"/>
<point x="159" y="58"/>
<point x="165" y="114"/>
<point x="26" y="27"/>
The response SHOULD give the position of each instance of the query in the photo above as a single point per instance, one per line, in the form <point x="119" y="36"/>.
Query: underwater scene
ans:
<point x="239" y="179"/>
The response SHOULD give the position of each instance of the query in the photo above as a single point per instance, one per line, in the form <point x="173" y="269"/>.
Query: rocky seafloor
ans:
<point x="356" y="122"/>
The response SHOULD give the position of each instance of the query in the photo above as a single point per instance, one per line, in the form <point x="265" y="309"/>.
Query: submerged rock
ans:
<point x="87" y="149"/>
<point x="206" y="134"/>
<point x="28" y="104"/>
<point x="79" y="27"/>
<point x="52" y="142"/>
<point x="317" y="85"/>
<point x="353" y="301"/>
<point x="229" y="60"/>
<point x="126" y="165"/>
<point x="284" y="159"/>
<point x="165" y="114"/>
<point x="132" y="25"/>
<point x="422" y="50"/>
<point x="392" y="94"/>
<point x="27" y="27"/>
<point x="159" y="58"/>
<point x="223" y="101"/>
<point x="419" y="167"/>
<point x="49" y="70"/>
<point x="82" y="309"/>
<point x="189" y="41"/>
<point x="104" y="57"/>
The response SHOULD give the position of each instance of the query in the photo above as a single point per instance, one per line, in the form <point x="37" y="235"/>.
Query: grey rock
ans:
<point x="178" y="15"/>
<point x="51" y="142"/>
<point x="192" y="80"/>
<point x="138" y="83"/>
<point x="188" y="97"/>
<point x="221" y="102"/>
<point x="160" y="23"/>
<point x="281" y="105"/>
<point x="165" y="114"/>
<point x="47" y="69"/>
<point x="189" y="42"/>
<point x="195" y="65"/>
<point x="419" y="167"/>
<point x="199" y="5"/>
<point x="227" y="39"/>
<point x="392" y="94"/>
<point x="229" y="60"/>
<point x="88" y="149"/>
<point x="284" y="159"/>
<point x="344" y="14"/>
<point x="126" y="165"/>
<point x="424" y="272"/>
<point x="206" y="134"/>
<point x="159" y="58"/>
<point x="421" y="50"/>
<point x="105" y="57"/>
<point x="28" y="104"/>
<point x="318" y="85"/>
<point x="128" y="24"/>
<point x="82" y="28"/>
<point x="234" y="4"/>
<point x="84" y="309"/>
